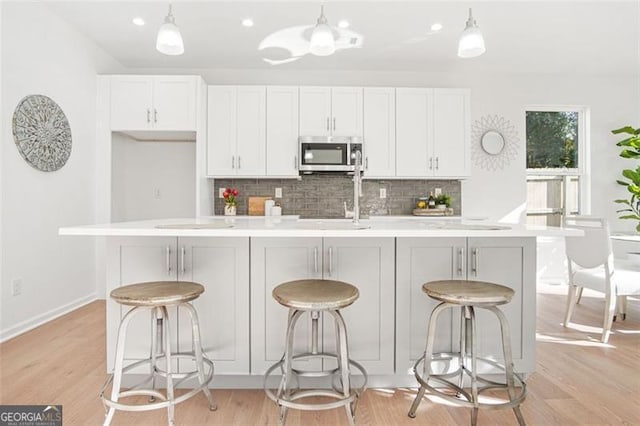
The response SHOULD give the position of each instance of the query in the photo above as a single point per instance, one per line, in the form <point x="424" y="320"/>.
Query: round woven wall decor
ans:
<point x="489" y="159"/>
<point x="41" y="132"/>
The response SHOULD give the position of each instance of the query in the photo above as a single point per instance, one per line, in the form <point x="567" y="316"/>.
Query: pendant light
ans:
<point x="322" y="41"/>
<point x="471" y="42"/>
<point x="169" y="40"/>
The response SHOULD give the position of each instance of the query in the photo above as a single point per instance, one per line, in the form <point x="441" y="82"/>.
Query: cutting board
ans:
<point x="256" y="205"/>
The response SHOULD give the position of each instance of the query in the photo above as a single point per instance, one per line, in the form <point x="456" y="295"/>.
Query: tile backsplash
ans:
<point x="323" y="195"/>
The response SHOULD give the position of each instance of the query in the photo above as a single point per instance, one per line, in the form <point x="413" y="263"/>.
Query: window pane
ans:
<point x="552" y="139"/>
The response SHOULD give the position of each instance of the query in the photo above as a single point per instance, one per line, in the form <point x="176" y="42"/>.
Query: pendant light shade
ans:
<point x="169" y="39"/>
<point x="471" y="42"/>
<point x="322" y="41"/>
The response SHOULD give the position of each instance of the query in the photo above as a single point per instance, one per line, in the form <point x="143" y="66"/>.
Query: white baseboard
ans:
<point x="45" y="317"/>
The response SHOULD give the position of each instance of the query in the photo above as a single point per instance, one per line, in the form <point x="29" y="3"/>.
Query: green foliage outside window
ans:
<point x="552" y="139"/>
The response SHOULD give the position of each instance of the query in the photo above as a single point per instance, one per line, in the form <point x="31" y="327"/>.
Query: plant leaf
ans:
<point x="627" y="202"/>
<point x="630" y="216"/>
<point x="623" y="183"/>
<point x="626" y="129"/>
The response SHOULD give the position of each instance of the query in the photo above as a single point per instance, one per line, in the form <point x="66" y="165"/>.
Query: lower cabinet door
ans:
<point x="130" y="261"/>
<point x="273" y="262"/>
<point x="420" y="260"/>
<point x="221" y="265"/>
<point x="509" y="262"/>
<point x="368" y="264"/>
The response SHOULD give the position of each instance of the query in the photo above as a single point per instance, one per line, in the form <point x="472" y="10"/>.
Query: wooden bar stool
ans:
<point x="468" y="295"/>
<point x="315" y="296"/>
<point x="156" y="297"/>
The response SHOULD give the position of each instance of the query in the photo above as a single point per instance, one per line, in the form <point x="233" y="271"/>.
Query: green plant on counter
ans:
<point x="444" y="199"/>
<point x="631" y="150"/>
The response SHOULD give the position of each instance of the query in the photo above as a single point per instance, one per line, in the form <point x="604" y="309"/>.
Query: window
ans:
<point x="557" y="164"/>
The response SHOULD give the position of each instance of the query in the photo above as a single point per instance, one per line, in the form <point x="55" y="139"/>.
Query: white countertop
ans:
<point x="292" y="226"/>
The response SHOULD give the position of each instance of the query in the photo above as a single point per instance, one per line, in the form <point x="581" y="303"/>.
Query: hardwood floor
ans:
<point x="578" y="380"/>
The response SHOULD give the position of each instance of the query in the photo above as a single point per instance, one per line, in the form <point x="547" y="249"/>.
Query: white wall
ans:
<point x="152" y="180"/>
<point x="614" y="101"/>
<point x="41" y="54"/>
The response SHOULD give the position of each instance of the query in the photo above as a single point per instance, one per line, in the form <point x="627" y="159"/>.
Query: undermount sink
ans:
<point x="330" y="225"/>
<point x="213" y="225"/>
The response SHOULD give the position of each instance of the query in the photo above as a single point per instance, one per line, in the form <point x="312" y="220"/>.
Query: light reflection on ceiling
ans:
<point x="292" y="43"/>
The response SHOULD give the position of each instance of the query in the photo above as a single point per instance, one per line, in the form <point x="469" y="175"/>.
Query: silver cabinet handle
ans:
<point x="327" y="123"/>
<point x="239" y="159"/>
<point x="474" y="261"/>
<point x="148" y="115"/>
<point x="233" y="162"/>
<point x="366" y="163"/>
<point x="295" y="162"/>
<point x="168" y="259"/>
<point x="437" y="163"/>
<point x="155" y="115"/>
<point x="182" y="253"/>
<point x="315" y="259"/>
<point x="330" y="260"/>
<point x="460" y="260"/>
<point x="431" y="163"/>
<point x="334" y="123"/>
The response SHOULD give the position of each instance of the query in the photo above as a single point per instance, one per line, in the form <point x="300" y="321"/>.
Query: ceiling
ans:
<point x="595" y="37"/>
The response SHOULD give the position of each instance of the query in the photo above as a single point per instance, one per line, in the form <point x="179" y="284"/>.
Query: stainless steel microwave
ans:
<point x="328" y="153"/>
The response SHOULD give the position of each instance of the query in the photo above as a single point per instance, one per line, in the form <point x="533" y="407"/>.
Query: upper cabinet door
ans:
<point x="174" y="103"/>
<point x="251" y="131"/>
<point x="315" y="111"/>
<point x="414" y="132"/>
<point x="346" y="111"/>
<point x="282" y="131"/>
<point x="221" y="131"/>
<point x="379" y="131"/>
<point x="451" y="128"/>
<point x="131" y="102"/>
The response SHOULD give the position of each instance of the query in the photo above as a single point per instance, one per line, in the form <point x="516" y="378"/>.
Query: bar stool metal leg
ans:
<point x="167" y="349"/>
<point x="197" y="350"/>
<point x="428" y="353"/>
<point x="508" y="360"/>
<point x="156" y="336"/>
<point x="470" y="313"/>
<point x="284" y="388"/>
<point x="463" y="346"/>
<point x="343" y="357"/>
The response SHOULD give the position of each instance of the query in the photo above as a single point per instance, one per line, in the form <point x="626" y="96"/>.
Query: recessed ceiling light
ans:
<point x="138" y="21"/>
<point x="247" y="22"/>
<point x="436" y="27"/>
<point x="343" y="24"/>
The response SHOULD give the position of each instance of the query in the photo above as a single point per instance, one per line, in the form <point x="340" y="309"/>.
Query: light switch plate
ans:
<point x="437" y="191"/>
<point x="383" y="192"/>
<point x="278" y="193"/>
<point x="16" y="286"/>
<point x="221" y="192"/>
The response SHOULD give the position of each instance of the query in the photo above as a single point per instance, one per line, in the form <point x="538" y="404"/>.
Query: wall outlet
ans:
<point x="383" y="192"/>
<point x="437" y="191"/>
<point x="278" y="192"/>
<point x="221" y="192"/>
<point x="16" y="287"/>
<point x="156" y="193"/>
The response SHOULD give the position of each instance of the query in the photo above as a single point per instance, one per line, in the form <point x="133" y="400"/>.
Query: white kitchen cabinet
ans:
<point x="274" y="261"/>
<point x="282" y="131"/>
<point x="144" y="103"/>
<point x="379" y="112"/>
<point x="420" y="260"/>
<point x="451" y="137"/>
<point x="326" y="111"/>
<point x="414" y="132"/>
<point x="367" y="263"/>
<point x="432" y="133"/>
<point x="221" y="265"/>
<point x="508" y="261"/>
<point x="236" y="136"/>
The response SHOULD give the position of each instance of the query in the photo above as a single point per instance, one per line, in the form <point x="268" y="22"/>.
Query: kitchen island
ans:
<point x="239" y="260"/>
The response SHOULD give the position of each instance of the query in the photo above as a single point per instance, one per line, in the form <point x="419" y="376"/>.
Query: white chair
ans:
<point x="591" y="265"/>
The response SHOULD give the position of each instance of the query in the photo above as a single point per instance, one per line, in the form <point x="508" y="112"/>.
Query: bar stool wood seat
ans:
<point x="155" y="297"/>
<point x="313" y="296"/>
<point x="467" y="295"/>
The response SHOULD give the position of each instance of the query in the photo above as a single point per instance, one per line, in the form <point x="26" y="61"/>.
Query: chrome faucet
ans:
<point x="357" y="189"/>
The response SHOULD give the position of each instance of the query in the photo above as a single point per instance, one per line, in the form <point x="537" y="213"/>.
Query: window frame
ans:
<point x="583" y="171"/>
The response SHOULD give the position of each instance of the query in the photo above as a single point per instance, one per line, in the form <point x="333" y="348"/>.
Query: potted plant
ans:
<point x="631" y="150"/>
<point x="230" y="201"/>
<point x="443" y="201"/>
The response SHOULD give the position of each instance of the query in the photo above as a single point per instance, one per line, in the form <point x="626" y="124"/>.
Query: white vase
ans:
<point x="229" y="210"/>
